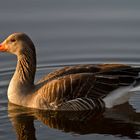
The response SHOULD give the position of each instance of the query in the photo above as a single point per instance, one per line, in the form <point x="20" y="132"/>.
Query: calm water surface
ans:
<point x="67" y="32"/>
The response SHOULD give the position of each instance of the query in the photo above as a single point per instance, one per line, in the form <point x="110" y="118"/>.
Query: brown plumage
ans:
<point x="76" y="88"/>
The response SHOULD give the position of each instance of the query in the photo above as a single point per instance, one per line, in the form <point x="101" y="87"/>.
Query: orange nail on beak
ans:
<point x="2" y="48"/>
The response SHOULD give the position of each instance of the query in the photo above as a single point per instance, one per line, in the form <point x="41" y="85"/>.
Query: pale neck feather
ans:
<point x="22" y="81"/>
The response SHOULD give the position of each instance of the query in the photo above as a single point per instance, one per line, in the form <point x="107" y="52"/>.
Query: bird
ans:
<point x="72" y="88"/>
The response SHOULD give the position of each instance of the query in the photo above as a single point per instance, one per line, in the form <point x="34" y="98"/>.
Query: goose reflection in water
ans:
<point x="120" y="121"/>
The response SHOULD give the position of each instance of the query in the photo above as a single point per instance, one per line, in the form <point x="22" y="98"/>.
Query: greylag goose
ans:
<point x="72" y="88"/>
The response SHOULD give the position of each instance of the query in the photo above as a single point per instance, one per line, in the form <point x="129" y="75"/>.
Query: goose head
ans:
<point x="18" y="44"/>
<point x="22" y="46"/>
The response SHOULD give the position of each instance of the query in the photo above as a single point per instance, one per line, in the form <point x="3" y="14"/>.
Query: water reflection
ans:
<point x="121" y="121"/>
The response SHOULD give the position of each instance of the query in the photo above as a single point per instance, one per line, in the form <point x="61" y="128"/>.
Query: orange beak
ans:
<point x="2" y="48"/>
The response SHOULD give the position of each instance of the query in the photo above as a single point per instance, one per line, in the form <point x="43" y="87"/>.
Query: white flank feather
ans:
<point x="118" y="96"/>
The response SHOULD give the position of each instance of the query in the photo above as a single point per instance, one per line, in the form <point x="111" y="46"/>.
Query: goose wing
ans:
<point x="85" y="68"/>
<point x="85" y="91"/>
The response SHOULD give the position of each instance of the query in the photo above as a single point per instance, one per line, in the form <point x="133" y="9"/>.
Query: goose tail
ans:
<point x="136" y="85"/>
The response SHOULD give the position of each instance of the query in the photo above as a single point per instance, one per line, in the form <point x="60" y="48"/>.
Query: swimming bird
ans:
<point x="72" y="88"/>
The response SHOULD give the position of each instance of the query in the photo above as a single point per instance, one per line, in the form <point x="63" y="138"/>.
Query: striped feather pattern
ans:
<point x="81" y="104"/>
<point x="26" y="66"/>
<point x="85" y="91"/>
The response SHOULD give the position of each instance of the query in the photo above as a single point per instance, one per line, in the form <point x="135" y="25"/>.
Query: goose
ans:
<point x="72" y="88"/>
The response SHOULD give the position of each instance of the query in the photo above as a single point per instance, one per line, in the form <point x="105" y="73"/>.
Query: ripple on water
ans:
<point x="135" y="101"/>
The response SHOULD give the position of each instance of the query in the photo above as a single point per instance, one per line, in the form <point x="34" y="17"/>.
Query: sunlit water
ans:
<point x="67" y="32"/>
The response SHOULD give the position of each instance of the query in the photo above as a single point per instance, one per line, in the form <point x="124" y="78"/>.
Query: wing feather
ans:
<point x="84" y="86"/>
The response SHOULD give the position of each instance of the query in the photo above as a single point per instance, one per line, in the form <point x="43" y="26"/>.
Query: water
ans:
<point x="66" y="33"/>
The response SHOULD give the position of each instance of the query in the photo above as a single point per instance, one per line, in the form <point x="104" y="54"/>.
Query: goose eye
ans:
<point x="13" y="40"/>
